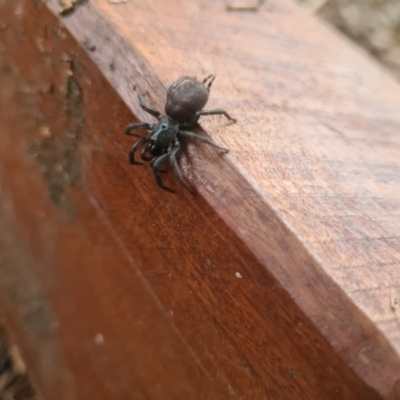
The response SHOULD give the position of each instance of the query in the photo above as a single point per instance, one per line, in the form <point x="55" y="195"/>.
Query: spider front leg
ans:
<point x="195" y="136"/>
<point x="143" y="153"/>
<point x="155" y="165"/>
<point x="132" y="151"/>
<point x="171" y="159"/>
<point x="139" y="125"/>
<point x="175" y="168"/>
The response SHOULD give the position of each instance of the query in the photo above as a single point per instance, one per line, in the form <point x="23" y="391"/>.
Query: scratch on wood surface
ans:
<point x="394" y="302"/>
<point x="243" y="5"/>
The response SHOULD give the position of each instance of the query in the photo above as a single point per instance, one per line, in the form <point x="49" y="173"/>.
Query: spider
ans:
<point x="185" y="101"/>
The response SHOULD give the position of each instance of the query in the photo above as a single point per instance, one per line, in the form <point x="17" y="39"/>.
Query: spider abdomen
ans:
<point x="185" y="99"/>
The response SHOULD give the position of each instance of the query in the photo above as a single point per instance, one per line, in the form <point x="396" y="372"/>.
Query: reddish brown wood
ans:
<point x="275" y="281"/>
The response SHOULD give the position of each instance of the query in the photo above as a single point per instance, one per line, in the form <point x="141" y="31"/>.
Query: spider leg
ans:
<point x="148" y="149"/>
<point x="174" y="163"/>
<point x="143" y="153"/>
<point x="155" y="164"/>
<point x="132" y="151"/>
<point x="139" y="125"/>
<point x="195" y="136"/>
<point x="211" y="77"/>
<point x="177" y="83"/>
<point x="218" y="111"/>
<point x="148" y="108"/>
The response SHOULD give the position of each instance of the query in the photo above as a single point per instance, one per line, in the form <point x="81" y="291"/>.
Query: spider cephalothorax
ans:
<point x="185" y="101"/>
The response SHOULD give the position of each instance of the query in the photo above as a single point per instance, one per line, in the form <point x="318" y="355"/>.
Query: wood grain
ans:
<point x="304" y="208"/>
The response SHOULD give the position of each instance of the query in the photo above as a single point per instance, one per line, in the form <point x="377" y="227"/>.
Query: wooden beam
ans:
<point x="279" y="279"/>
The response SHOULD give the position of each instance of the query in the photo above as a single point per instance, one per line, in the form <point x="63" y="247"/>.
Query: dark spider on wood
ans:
<point x="185" y="101"/>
